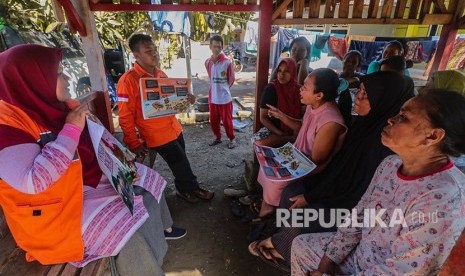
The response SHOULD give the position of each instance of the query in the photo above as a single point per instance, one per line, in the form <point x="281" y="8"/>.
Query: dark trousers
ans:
<point x="282" y="240"/>
<point x="174" y="154"/>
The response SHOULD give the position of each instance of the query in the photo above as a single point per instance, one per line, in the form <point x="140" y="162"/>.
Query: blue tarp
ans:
<point x="171" y="22"/>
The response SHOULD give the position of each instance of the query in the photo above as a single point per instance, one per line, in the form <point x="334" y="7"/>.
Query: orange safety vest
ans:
<point x="46" y="225"/>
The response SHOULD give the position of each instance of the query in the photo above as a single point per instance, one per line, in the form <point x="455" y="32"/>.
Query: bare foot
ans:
<point x="266" y="209"/>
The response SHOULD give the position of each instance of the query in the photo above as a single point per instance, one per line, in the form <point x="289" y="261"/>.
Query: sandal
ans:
<point x="215" y="142"/>
<point x="255" y="206"/>
<point x="258" y="219"/>
<point x="275" y="262"/>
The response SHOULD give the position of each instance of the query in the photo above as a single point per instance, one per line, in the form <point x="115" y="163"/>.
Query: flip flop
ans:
<point x="275" y="262"/>
<point x="256" y="205"/>
<point x="215" y="142"/>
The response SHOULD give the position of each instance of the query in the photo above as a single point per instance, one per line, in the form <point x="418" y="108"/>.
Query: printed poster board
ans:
<point x="283" y="164"/>
<point x="164" y="96"/>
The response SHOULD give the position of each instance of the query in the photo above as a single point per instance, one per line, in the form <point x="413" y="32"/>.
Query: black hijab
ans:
<point x="343" y="182"/>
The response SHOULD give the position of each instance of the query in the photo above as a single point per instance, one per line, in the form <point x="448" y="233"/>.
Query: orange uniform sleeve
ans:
<point x="127" y="90"/>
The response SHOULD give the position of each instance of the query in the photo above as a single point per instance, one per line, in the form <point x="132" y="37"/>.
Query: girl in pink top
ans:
<point x="321" y="132"/>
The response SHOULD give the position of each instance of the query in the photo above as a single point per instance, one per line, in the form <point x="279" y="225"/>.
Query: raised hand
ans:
<point x="77" y="116"/>
<point x="274" y="112"/>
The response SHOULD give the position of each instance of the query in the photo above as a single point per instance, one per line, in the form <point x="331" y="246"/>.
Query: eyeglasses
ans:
<point x="361" y="94"/>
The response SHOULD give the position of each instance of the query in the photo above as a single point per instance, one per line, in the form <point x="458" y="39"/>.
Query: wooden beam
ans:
<point x="314" y="8"/>
<point x="439" y="4"/>
<point x="282" y="7"/>
<point x="387" y="8"/>
<point x="73" y="17"/>
<point x="400" y="8"/>
<point x="373" y="9"/>
<point x="263" y="56"/>
<point x="93" y="52"/>
<point x="425" y="8"/>
<point x="180" y="7"/>
<point x="437" y="19"/>
<point x="414" y="7"/>
<point x="444" y="49"/>
<point x="459" y="9"/>
<point x="461" y="23"/>
<point x="344" y="9"/>
<point x="357" y="11"/>
<point x="329" y="9"/>
<point x="298" y="9"/>
<point x="305" y="21"/>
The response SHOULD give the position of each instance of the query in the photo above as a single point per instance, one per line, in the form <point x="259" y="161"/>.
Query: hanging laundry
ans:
<point x="371" y="50"/>
<point x="457" y="56"/>
<point x="427" y="49"/>
<point x="318" y="46"/>
<point x="251" y="37"/>
<point x="337" y="47"/>
<point x="171" y="22"/>
<point x="412" y="51"/>
<point x="360" y="38"/>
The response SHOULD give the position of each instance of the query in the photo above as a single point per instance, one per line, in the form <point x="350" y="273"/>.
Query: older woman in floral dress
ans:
<point x="419" y="191"/>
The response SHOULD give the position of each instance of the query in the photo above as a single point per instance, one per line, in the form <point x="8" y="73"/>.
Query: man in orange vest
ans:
<point x="159" y="135"/>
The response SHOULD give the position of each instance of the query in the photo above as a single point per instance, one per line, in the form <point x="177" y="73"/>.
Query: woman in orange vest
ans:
<point x="58" y="204"/>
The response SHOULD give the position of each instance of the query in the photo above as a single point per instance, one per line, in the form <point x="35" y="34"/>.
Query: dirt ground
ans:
<point x="216" y="242"/>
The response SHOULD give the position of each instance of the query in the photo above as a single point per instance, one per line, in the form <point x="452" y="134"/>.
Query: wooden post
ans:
<point x="93" y="51"/>
<point x="263" y="56"/>
<point x="444" y="49"/>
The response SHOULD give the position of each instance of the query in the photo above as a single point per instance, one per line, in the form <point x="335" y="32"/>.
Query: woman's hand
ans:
<point x="274" y="112"/>
<point x="299" y="202"/>
<point x="77" y="116"/>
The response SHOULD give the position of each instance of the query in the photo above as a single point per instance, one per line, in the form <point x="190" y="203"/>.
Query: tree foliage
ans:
<point x="204" y="22"/>
<point x="25" y="14"/>
<point x="118" y="26"/>
<point x="38" y="14"/>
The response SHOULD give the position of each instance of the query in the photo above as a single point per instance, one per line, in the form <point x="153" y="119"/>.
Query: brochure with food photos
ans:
<point x="164" y="96"/>
<point x="116" y="161"/>
<point x="283" y="164"/>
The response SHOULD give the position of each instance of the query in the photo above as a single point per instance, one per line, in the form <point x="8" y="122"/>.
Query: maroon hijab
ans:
<point x="289" y="93"/>
<point x="28" y="79"/>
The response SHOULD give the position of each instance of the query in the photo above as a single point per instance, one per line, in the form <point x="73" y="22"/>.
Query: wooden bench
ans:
<point x="12" y="258"/>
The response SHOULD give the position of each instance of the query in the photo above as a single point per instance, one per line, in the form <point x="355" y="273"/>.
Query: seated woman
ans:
<point x="58" y="204"/>
<point x="301" y="51"/>
<point x="453" y="80"/>
<point x="345" y="179"/>
<point x="420" y="191"/>
<point x="351" y="62"/>
<point x="393" y="48"/>
<point x="284" y="94"/>
<point x="320" y="133"/>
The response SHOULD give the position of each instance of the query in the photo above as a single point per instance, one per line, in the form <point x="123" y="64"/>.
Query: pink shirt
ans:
<point x="313" y="120"/>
